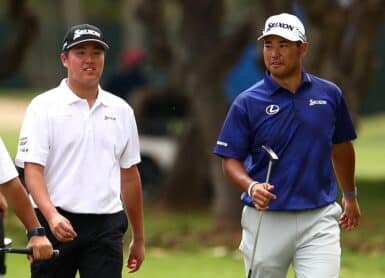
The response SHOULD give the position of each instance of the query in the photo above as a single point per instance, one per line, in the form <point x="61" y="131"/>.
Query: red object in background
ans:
<point x="132" y="57"/>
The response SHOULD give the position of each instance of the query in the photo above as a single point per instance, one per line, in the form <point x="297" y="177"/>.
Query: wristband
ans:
<point x="39" y="231"/>
<point x="350" y="194"/>
<point x="251" y="187"/>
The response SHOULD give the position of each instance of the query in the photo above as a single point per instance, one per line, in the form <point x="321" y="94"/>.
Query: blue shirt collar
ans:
<point x="273" y="87"/>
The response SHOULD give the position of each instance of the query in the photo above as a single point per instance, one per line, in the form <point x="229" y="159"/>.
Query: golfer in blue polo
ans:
<point x="304" y="119"/>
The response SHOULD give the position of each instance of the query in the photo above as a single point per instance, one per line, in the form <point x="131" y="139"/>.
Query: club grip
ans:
<point x="27" y="251"/>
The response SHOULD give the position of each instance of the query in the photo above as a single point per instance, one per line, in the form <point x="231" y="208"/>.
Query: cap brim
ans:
<point x="288" y="36"/>
<point x="102" y="43"/>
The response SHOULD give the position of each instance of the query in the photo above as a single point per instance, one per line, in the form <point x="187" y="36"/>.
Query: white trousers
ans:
<point x="310" y="240"/>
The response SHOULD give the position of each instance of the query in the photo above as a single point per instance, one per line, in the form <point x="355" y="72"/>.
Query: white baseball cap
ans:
<point x="285" y="25"/>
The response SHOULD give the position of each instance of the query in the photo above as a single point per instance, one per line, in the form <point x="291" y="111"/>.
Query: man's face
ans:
<point x="84" y="63"/>
<point x="283" y="58"/>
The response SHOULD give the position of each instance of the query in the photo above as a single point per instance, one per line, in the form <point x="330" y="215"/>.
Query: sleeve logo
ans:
<point x="221" y="143"/>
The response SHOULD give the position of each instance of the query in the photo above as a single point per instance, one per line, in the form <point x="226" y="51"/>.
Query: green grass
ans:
<point x="10" y="140"/>
<point x="215" y="262"/>
<point x="370" y="147"/>
<point x="178" y="246"/>
<point x="19" y="94"/>
<point x="177" y="242"/>
<point x="163" y="264"/>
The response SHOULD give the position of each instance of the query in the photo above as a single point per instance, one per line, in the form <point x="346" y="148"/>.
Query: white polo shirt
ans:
<point x="81" y="149"/>
<point x="7" y="168"/>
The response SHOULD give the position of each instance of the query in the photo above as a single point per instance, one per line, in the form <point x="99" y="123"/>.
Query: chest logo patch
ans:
<point x="272" y="109"/>
<point x="106" y="117"/>
<point x="313" y="102"/>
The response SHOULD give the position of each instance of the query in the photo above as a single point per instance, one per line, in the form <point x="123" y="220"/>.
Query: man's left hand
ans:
<point x="350" y="218"/>
<point x="136" y="255"/>
<point x="41" y="248"/>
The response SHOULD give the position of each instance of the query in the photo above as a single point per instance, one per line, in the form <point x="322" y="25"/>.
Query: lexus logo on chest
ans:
<point x="272" y="109"/>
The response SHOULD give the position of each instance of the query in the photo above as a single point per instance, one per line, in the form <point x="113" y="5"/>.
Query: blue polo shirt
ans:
<point x="301" y="128"/>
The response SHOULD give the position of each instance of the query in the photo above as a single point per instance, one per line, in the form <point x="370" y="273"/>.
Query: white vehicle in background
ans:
<point x="161" y="120"/>
<point x="158" y="154"/>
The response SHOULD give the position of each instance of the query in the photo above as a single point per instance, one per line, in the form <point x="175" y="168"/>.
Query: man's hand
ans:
<point x="135" y="255"/>
<point x="61" y="228"/>
<point x="41" y="248"/>
<point x="261" y="195"/>
<point x="350" y="218"/>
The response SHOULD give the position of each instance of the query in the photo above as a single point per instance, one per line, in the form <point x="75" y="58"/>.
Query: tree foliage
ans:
<point x="342" y="38"/>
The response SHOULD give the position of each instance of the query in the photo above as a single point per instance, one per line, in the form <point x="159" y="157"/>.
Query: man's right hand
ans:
<point x="61" y="228"/>
<point x="261" y="196"/>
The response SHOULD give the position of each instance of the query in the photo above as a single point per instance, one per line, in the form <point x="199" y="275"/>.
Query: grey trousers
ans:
<point x="309" y="240"/>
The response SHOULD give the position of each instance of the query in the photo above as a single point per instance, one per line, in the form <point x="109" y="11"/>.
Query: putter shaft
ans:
<point x="273" y="157"/>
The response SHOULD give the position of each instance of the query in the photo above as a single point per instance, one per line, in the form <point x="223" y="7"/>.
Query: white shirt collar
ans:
<point x="70" y="97"/>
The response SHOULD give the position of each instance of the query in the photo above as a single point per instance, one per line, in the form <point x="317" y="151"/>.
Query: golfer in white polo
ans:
<point x="79" y="147"/>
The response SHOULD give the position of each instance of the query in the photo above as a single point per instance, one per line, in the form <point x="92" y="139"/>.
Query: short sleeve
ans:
<point x="233" y="140"/>
<point x="344" y="128"/>
<point x="131" y="153"/>
<point x="34" y="137"/>
<point x="7" y="168"/>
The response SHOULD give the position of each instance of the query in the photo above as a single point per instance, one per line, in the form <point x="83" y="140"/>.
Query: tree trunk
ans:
<point x="184" y="186"/>
<point x="25" y="29"/>
<point x="71" y="14"/>
<point x="209" y="57"/>
<point x="226" y="204"/>
<point x="197" y="63"/>
<point x="132" y="30"/>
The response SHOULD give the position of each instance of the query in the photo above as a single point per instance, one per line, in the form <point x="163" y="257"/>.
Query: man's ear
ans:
<point x="303" y="48"/>
<point x="64" y="58"/>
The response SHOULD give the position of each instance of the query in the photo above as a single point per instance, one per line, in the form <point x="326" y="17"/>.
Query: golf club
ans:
<point x="272" y="158"/>
<point x="28" y="251"/>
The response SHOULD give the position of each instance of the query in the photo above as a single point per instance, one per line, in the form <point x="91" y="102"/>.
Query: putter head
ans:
<point x="273" y="156"/>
